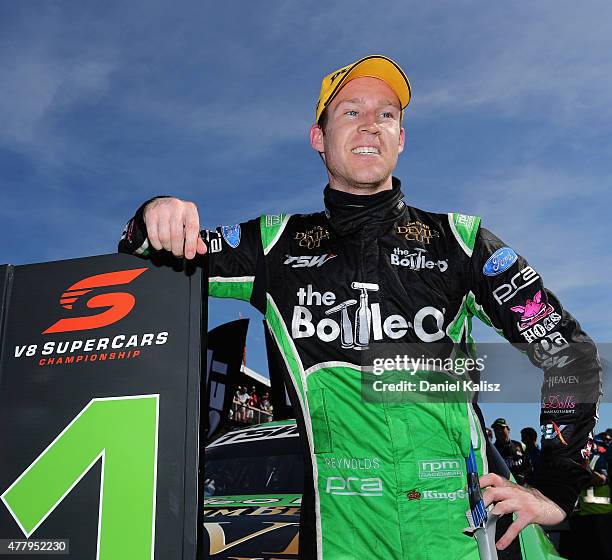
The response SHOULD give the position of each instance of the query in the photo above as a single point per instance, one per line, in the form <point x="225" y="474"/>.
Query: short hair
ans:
<point x="529" y="432"/>
<point x="322" y="122"/>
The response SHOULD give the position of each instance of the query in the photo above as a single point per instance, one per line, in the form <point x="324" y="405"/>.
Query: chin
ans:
<point x="369" y="181"/>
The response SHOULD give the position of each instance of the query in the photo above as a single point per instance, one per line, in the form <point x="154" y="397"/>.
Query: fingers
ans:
<point x="492" y="479"/>
<point x="527" y="504"/>
<point x="174" y="225"/>
<point x="152" y="233"/>
<point x="515" y="528"/>
<point x="177" y="235"/>
<point x="201" y="247"/>
<point x="493" y="494"/>
<point x="192" y="230"/>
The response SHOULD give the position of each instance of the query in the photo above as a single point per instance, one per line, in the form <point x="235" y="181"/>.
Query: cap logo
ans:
<point x="338" y="74"/>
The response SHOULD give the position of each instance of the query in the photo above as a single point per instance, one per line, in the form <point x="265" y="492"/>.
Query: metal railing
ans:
<point x="245" y="414"/>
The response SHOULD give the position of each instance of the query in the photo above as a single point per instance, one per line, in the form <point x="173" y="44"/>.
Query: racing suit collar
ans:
<point x="348" y="213"/>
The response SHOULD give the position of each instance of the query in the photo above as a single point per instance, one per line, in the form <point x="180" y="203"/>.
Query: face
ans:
<point x="501" y="432"/>
<point x="363" y="137"/>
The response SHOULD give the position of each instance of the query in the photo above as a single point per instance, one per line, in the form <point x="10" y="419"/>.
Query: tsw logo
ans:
<point x="119" y="303"/>
<point x="308" y="260"/>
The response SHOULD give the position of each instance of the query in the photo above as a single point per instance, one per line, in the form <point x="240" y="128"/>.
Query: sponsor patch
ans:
<point x="537" y="318"/>
<point x="312" y="238"/>
<point x="354" y="486"/>
<point x="440" y="468"/>
<point x="309" y="261"/>
<point x="560" y="404"/>
<point x="518" y="282"/>
<point x="357" y="322"/>
<point x="533" y="311"/>
<point x="449" y="496"/>
<point x="499" y="262"/>
<point x="417" y="231"/>
<point x="353" y="463"/>
<point x="273" y="220"/>
<point x="231" y="234"/>
<point x="553" y="431"/>
<point x="417" y="260"/>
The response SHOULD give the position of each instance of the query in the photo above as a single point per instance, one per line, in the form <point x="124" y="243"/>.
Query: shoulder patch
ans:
<point x="272" y="227"/>
<point x="231" y="234"/>
<point x="464" y="228"/>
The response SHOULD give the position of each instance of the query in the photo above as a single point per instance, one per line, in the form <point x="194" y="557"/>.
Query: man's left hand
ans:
<point x="528" y="504"/>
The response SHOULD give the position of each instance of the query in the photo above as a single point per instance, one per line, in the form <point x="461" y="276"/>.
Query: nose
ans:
<point x="369" y="123"/>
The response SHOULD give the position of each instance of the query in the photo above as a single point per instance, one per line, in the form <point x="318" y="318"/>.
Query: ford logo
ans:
<point x="499" y="261"/>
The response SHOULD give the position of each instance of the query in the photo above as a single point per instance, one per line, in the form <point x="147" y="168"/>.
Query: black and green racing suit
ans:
<point x="388" y="477"/>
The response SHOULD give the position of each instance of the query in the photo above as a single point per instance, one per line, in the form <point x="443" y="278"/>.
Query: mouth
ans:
<point x="366" y="151"/>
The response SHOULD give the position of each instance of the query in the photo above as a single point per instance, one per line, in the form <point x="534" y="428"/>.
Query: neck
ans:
<point x="362" y="189"/>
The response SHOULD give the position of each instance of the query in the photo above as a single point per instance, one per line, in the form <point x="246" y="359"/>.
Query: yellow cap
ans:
<point x="373" y="66"/>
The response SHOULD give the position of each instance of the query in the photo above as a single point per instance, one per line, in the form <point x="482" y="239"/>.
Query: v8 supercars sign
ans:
<point x="99" y="381"/>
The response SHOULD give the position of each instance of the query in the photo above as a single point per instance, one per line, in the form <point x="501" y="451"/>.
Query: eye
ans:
<point x="388" y="115"/>
<point x="351" y="113"/>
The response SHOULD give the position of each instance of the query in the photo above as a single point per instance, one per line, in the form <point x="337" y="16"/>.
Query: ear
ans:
<point x="402" y="139"/>
<point x="316" y="138"/>
<point x="538" y="297"/>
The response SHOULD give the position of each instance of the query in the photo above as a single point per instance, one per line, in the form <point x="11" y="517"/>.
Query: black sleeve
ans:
<point x="134" y="240"/>
<point x="235" y="261"/>
<point x="529" y="316"/>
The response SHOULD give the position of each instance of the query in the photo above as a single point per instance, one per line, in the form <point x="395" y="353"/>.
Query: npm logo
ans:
<point x="441" y="468"/>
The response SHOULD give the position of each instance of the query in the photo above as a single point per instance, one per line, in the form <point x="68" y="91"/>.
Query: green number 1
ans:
<point x="122" y="432"/>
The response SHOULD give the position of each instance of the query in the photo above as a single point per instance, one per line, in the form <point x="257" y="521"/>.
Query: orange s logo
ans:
<point x="119" y="303"/>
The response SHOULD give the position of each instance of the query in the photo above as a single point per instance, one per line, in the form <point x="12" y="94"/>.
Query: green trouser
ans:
<point x="390" y="476"/>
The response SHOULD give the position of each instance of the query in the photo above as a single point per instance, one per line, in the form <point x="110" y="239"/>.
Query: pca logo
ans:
<point x="119" y="304"/>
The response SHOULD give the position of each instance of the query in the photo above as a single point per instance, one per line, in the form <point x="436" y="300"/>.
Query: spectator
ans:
<point x="513" y="452"/>
<point x="252" y="403"/>
<point x="590" y="527"/>
<point x="530" y="438"/>
<point x="253" y="398"/>
<point x="266" y="406"/>
<point x="241" y="398"/>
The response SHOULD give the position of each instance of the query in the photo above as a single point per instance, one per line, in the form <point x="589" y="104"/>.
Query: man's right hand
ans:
<point x="174" y="225"/>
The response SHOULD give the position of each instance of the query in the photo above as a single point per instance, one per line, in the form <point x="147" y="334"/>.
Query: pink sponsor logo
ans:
<point x="533" y="311"/>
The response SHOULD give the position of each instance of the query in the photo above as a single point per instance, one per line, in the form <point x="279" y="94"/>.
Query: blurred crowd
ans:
<point x="589" y="534"/>
<point x="250" y="408"/>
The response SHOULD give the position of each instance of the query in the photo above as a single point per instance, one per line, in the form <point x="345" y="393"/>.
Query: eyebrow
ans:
<point x="386" y="102"/>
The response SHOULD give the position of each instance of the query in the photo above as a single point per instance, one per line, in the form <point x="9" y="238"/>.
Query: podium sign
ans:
<point x="99" y="409"/>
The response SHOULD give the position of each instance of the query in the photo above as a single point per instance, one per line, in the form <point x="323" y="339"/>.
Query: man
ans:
<point x="590" y="526"/>
<point x="529" y="437"/>
<point x="513" y="452"/>
<point x="387" y="479"/>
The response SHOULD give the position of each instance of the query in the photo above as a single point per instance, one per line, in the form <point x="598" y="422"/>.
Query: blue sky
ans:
<point x="104" y="105"/>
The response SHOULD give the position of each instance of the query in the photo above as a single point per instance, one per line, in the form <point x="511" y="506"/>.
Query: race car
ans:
<point x="253" y="491"/>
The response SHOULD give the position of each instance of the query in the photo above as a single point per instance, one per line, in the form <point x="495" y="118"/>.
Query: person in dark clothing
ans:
<point x="529" y="437"/>
<point x="513" y="452"/>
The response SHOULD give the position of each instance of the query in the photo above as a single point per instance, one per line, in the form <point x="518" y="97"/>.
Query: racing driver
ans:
<point x="388" y="478"/>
